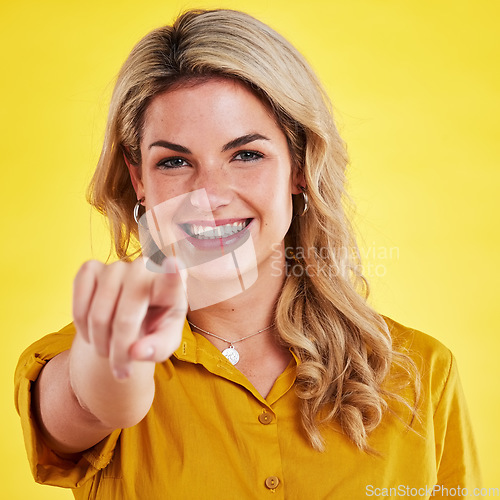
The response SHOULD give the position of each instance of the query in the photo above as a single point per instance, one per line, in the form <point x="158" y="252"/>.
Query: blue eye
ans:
<point x="248" y="156"/>
<point x="174" y="162"/>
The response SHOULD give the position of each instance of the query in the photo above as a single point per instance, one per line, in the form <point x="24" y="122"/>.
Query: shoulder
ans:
<point x="434" y="362"/>
<point x="421" y="347"/>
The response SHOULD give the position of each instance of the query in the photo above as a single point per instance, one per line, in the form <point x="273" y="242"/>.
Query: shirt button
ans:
<point x="265" y="418"/>
<point x="272" y="482"/>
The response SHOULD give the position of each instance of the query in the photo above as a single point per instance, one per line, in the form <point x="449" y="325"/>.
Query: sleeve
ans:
<point x="47" y="466"/>
<point x="456" y="454"/>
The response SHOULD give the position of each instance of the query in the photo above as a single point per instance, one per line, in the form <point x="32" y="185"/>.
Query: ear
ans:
<point x="298" y="181"/>
<point x="135" y="172"/>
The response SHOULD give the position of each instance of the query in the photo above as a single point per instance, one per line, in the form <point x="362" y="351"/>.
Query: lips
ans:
<point x="219" y="230"/>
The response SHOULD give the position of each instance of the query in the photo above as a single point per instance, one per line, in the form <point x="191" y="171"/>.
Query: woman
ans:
<point x="282" y="380"/>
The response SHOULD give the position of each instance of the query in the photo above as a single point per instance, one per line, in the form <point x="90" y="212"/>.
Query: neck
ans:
<point x="244" y="313"/>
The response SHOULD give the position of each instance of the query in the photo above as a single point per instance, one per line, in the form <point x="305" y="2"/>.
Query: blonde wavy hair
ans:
<point x="344" y="346"/>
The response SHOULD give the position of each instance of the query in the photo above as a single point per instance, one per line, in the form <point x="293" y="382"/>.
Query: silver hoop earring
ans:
<point x="306" y="203"/>
<point x="136" y="210"/>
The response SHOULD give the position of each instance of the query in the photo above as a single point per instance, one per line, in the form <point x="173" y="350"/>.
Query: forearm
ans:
<point x="116" y="403"/>
<point x="78" y="402"/>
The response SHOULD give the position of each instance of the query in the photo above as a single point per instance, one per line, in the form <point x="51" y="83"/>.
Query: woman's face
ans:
<point x="215" y="162"/>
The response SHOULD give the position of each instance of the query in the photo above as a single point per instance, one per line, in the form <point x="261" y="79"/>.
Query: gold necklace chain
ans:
<point x="230" y="353"/>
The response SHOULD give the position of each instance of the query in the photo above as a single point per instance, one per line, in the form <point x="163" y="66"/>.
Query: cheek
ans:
<point x="275" y="194"/>
<point x="278" y="207"/>
<point x="158" y="189"/>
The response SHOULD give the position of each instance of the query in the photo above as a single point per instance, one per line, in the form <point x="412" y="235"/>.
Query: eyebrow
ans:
<point x="235" y="143"/>
<point x="170" y="145"/>
<point x="244" y="139"/>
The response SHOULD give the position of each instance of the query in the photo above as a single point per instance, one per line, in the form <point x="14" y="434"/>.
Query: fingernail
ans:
<point x="121" y="373"/>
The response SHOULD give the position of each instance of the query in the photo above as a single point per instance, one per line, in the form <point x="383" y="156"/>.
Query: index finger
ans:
<point x="146" y="300"/>
<point x="164" y="291"/>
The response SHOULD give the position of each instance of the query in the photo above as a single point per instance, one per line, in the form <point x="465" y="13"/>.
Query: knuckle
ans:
<point x="90" y="266"/>
<point x="79" y="316"/>
<point x="125" y="322"/>
<point x="99" y="319"/>
<point x="137" y="267"/>
<point x="119" y="264"/>
<point x="139" y="262"/>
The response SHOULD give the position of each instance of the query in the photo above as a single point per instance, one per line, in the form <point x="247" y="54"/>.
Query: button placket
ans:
<point x="270" y="470"/>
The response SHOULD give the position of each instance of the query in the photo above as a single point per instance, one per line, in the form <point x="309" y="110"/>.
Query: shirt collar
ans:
<point x="195" y="348"/>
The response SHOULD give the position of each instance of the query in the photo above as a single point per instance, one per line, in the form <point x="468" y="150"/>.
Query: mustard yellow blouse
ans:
<point x="211" y="435"/>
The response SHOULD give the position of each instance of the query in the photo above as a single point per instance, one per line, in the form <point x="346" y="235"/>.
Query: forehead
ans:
<point x="214" y="102"/>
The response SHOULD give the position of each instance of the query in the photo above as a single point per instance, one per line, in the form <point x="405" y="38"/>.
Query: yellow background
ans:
<point x="415" y="86"/>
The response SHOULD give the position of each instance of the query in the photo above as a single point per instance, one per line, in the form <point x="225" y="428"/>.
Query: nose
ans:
<point x="211" y="190"/>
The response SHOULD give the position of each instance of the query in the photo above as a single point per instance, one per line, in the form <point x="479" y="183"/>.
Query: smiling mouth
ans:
<point x="203" y="232"/>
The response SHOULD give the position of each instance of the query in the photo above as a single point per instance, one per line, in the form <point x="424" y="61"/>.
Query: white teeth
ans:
<point x="210" y="232"/>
